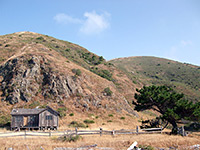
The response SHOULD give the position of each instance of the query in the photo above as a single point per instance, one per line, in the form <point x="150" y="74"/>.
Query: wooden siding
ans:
<point x="25" y="121"/>
<point x="17" y="121"/>
<point x="34" y="118"/>
<point x="45" y="121"/>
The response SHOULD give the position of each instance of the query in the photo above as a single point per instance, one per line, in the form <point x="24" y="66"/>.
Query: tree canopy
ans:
<point x="171" y="105"/>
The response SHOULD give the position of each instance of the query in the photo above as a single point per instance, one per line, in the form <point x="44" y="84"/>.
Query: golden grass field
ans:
<point x="118" y="142"/>
<point x="121" y="142"/>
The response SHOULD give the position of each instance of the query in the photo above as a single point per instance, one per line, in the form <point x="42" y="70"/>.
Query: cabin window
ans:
<point x="49" y="117"/>
<point x="19" y="118"/>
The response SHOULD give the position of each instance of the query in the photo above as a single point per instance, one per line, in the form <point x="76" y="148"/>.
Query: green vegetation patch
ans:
<point x="71" y="138"/>
<point x="87" y="121"/>
<point x="76" y="72"/>
<point x="108" y="91"/>
<point x="76" y="124"/>
<point x="62" y="111"/>
<point x="102" y="73"/>
<point x="5" y="120"/>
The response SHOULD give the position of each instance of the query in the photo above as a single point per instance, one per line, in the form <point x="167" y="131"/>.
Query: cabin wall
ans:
<point x="48" y="118"/>
<point x="24" y="121"/>
<point x="17" y="121"/>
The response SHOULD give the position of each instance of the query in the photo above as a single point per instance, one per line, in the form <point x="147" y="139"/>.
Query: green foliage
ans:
<point x="92" y="59"/>
<point x="108" y="91"/>
<point x="62" y="111"/>
<point x="87" y="121"/>
<point x="102" y="73"/>
<point x="123" y="118"/>
<point x="5" y="120"/>
<point x="109" y="121"/>
<point x="40" y="38"/>
<point x="71" y="114"/>
<point x="76" y="72"/>
<point x="76" y="124"/>
<point x="72" y="138"/>
<point x="110" y="115"/>
<point x="168" y="103"/>
<point x="146" y="147"/>
<point x="184" y="78"/>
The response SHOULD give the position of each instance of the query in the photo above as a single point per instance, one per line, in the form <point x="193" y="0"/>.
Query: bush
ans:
<point x="109" y="121"/>
<point x="146" y="147"/>
<point x="40" y="38"/>
<point x="110" y="115"/>
<point x="122" y="118"/>
<point x="108" y="91"/>
<point x="5" y="120"/>
<point x="76" y="124"/>
<point x="102" y="73"/>
<point x="72" y="138"/>
<point x="62" y="111"/>
<point x="71" y="114"/>
<point x="87" y="121"/>
<point x="76" y="71"/>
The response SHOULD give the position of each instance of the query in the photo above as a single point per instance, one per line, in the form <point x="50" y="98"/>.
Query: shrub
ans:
<point x="5" y="120"/>
<point x="87" y="121"/>
<point x="7" y="45"/>
<point x="77" y="125"/>
<point x="109" y="121"/>
<point x="102" y="73"/>
<point x="40" y="38"/>
<point x="62" y="111"/>
<point x="146" y="147"/>
<point x="76" y="71"/>
<point x="110" y="115"/>
<point x="67" y="50"/>
<point x="108" y="91"/>
<point x="71" y="114"/>
<point x="122" y="118"/>
<point x="72" y="138"/>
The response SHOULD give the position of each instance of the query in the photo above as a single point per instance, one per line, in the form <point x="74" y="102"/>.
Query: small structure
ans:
<point x="36" y="118"/>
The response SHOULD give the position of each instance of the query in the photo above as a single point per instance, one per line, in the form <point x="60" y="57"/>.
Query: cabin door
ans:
<point x="25" y="120"/>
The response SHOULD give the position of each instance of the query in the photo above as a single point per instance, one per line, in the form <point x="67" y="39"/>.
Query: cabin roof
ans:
<point x="35" y="111"/>
<point x="22" y="111"/>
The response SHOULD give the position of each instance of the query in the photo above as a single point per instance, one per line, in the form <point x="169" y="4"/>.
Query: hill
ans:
<point x="183" y="77"/>
<point x="39" y="70"/>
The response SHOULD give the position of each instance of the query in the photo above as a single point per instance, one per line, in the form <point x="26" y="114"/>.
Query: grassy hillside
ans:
<point x="11" y="43"/>
<point x="151" y="70"/>
<point x="39" y="70"/>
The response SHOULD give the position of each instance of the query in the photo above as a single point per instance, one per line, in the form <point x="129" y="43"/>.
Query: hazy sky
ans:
<point x="112" y="28"/>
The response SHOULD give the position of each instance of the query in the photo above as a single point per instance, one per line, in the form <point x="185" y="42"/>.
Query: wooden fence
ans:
<point x="81" y="132"/>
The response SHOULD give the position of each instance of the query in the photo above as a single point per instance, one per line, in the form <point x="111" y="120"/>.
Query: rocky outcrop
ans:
<point x="25" y="77"/>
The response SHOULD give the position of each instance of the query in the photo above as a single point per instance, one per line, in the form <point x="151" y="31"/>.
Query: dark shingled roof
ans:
<point x="22" y="111"/>
<point x="35" y="111"/>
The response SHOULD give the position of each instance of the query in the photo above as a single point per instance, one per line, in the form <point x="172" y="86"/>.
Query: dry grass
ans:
<point x="117" y="142"/>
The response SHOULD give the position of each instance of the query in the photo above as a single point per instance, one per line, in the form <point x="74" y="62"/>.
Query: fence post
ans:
<point x="76" y="130"/>
<point x="137" y="129"/>
<point x="25" y="134"/>
<point x="113" y="132"/>
<point x="49" y="133"/>
<point x="161" y="130"/>
<point x="183" y="131"/>
<point x="100" y="131"/>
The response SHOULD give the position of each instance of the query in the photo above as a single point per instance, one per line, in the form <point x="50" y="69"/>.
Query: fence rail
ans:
<point x="81" y="132"/>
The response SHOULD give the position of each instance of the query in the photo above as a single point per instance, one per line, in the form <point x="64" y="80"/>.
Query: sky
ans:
<point x="112" y="28"/>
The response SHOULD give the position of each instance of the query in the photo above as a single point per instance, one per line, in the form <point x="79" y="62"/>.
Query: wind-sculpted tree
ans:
<point x="171" y="105"/>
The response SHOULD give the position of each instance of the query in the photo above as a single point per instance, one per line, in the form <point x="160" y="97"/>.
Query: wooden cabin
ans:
<point x="36" y="118"/>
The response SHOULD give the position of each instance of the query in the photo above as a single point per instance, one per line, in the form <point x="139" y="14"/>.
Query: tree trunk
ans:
<point x="175" y="127"/>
